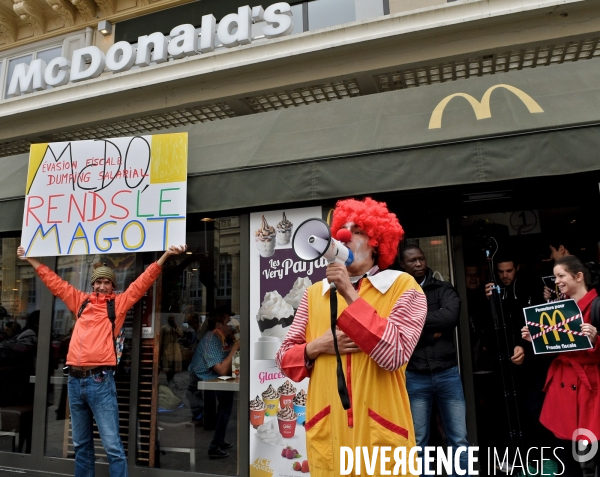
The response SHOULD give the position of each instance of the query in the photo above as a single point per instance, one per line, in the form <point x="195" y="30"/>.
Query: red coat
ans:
<point x="572" y="399"/>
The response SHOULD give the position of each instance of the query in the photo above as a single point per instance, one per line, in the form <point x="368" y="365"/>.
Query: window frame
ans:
<point x="29" y="49"/>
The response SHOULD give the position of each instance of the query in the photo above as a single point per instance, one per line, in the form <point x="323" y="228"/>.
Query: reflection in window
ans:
<point x="224" y="291"/>
<point x="177" y="420"/>
<point x="31" y="292"/>
<point x="19" y="317"/>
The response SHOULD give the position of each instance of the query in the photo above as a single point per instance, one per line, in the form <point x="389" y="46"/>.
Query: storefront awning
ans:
<point x="529" y="123"/>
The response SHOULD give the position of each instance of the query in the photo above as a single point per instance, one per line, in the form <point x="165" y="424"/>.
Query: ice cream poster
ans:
<point x="106" y="196"/>
<point x="278" y="281"/>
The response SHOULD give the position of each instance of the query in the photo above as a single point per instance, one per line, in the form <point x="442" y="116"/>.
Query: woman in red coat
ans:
<point x="572" y="399"/>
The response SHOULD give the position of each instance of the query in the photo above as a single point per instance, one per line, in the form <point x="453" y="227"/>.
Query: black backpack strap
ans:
<point x="83" y="305"/>
<point x="112" y="316"/>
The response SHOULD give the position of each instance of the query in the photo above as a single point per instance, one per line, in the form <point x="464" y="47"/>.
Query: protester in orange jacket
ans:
<point x="92" y="357"/>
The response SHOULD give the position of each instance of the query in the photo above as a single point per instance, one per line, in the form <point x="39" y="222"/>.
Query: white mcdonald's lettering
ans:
<point x="287" y="426"/>
<point x="482" y="109"/>
<point x="90" y="62"/>
<point x="552" y="322"/>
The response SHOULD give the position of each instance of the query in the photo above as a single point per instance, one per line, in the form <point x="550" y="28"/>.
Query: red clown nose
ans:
<point x="344" y="235"/>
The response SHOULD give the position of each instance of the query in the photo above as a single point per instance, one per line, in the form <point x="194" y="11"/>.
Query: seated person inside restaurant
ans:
<point x="212" y="358"/>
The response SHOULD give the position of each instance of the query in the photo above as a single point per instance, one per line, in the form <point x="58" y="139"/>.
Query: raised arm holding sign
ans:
<point x="93" y="197"/>
<point x="92" y="355"/>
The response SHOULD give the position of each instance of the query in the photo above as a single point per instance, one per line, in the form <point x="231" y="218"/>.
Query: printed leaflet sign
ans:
<point x="556" y="327"/>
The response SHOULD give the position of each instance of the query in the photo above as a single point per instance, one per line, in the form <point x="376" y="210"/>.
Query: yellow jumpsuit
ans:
<point x="380" y="413"/>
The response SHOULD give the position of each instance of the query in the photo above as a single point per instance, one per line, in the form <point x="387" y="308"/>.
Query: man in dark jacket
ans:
<point x="432" y="372"/>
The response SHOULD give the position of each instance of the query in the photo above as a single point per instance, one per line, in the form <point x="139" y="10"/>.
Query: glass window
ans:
<point x="224" y="291"/>
<point x="324" y="13"/>
<point x="19" y="316"/>
<point x="49" y="54"/>
<point x="11" y="68"/>
<point x="297" y="18"/>
<point x="177" y="415"/>
<point x="77" y="271"/>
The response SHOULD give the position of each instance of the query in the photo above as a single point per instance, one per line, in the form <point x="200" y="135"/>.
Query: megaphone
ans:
<point x="312" y="240"/>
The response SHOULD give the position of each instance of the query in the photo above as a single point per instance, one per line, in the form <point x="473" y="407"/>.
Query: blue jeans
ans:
<point x="224" y="408"/>
<point x="446" y="387"/>
<point x="95" y="397"/>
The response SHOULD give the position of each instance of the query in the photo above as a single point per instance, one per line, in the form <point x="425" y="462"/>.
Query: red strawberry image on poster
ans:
<point x="304" y="466"/>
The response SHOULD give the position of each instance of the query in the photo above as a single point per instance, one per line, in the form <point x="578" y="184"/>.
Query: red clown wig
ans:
<point x="380" y="225"/>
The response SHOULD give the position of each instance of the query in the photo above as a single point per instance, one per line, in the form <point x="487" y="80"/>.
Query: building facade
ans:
<point x="456" y="114"/>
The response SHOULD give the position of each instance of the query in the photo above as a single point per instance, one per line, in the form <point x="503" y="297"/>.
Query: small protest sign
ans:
<point x="556" y="327"/>
<point x="106" y="195"/>
<point x="550" y="283"/>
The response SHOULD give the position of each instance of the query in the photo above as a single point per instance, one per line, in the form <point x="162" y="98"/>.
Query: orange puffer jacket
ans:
<point x="92" y="342"/>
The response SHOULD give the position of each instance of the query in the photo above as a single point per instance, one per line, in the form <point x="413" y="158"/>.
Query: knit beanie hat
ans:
<point x="101" y="270"/>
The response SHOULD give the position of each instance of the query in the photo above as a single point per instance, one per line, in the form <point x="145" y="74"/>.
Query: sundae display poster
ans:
<point x="277" y="282"/>
<point x="100" y="196"/>
<point x="556" y="327"/>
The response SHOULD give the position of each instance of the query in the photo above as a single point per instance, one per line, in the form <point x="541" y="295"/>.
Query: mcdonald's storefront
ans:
<point x="518" y="150"/>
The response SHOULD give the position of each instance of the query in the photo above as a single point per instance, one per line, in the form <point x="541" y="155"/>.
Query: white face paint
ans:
<point x="363" y="252"/>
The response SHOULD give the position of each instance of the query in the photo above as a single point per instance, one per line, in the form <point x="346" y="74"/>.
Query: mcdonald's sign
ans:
<point x="552" y="322"/>
<point x="482" y="108"/>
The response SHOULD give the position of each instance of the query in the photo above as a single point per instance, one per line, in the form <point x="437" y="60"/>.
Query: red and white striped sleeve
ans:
<point x="389" y="342"/>
<point x="291" y="358"/>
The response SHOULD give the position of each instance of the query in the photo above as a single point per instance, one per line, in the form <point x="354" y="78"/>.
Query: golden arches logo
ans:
<point x="482" y="109"/>
<point x="552" y="322"/>
<point x="329" y="216"/>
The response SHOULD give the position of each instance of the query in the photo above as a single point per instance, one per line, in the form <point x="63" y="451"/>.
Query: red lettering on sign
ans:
<point x="30" y="208"/>
<point x="95" y="215"/>
<point x="73" y="201"/>
<point x="50" y="208"/>
<point x="120" y="206"/>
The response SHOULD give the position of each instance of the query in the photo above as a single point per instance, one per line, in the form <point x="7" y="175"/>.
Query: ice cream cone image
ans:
<point x="284" y="231"/>
<point x="257" y="412"/>
<point x="286" y="418"/>
<point x="271" y="399"/>
<point x="265" y="239"/>
<point x="287" y="392"/>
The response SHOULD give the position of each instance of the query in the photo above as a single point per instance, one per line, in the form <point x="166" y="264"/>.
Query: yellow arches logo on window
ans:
<point x="482" y="108"/>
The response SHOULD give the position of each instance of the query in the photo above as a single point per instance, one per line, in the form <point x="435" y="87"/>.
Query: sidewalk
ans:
<point x="13" y="472"/>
